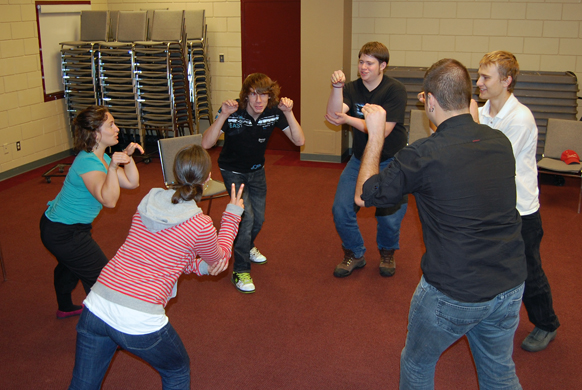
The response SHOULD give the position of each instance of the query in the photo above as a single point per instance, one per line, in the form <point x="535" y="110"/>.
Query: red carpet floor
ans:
<point x="303" y="328"/>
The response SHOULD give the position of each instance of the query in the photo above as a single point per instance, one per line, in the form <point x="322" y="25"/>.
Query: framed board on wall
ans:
<point x="56" y="21"/>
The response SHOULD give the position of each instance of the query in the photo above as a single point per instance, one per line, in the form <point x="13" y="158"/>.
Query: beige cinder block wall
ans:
<point x="42" y="128"/>
<point x="544" y="35"/>
<point x="24" y="116"/>
<point x="325" y="47"/>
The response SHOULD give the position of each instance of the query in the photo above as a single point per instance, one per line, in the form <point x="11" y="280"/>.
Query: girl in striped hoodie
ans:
<point x="169" y="236"/>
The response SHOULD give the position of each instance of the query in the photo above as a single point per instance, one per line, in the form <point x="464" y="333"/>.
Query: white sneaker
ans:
<point x="257" y="257"/>
<point x="243" y="282"/>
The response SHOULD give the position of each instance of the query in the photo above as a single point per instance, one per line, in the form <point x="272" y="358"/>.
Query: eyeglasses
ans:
<point x="254" y="95"/>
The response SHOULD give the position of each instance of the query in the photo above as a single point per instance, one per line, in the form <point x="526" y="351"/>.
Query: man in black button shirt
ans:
<point x="463" y="179"/>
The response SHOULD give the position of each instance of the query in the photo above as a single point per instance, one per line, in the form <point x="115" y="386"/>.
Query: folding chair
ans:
<point x="562" y="135"/>
<point x="168" y="148"/>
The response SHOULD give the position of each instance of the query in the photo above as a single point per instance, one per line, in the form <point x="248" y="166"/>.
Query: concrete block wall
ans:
<point x="544" y="35"/>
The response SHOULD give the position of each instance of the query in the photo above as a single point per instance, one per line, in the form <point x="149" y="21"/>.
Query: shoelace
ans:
<point x="245" y="278"/>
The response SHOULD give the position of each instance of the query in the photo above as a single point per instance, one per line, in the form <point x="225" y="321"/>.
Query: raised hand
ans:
<point x="285" y="104"/>
<point x="130" y="149"/>
<point x="375" y="119"/>
<point x="338" y="79"/>
<point x="229" y="107"/>
<point x="235" y="198"/>
<point x="119" y="158"/>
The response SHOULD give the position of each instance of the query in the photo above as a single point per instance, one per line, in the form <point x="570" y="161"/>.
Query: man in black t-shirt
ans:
<point x="247" y="124"/>
<point x="344" y="107"/>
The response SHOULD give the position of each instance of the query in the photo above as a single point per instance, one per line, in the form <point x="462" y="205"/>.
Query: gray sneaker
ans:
<point x="257" y="257"/>
<point x="348" y="264"/>
<point x="538" y="340"/>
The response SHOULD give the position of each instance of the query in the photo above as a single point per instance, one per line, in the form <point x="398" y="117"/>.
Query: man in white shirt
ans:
<point x="498" y="72"/>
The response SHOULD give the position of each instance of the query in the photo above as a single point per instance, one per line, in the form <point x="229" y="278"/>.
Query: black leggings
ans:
<point x="78" y="256"/>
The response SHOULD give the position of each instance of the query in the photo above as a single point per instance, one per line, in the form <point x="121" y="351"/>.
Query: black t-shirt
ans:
<point x="391" y="95"/>
<point x="245" y="140"/>
<point x="463" y="179"/>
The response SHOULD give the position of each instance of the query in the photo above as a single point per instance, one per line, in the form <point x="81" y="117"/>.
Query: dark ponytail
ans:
<point x="191" y="169"/>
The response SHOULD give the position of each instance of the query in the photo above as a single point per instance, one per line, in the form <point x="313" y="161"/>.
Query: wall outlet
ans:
<point x="5" y="147"/>
<point x="221" y="57"/>
<point x="18" y="145"/>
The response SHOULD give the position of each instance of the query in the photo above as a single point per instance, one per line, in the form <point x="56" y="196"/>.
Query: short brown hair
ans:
<point x="261" y="83"/>
<point x="86" y="124"/>
<point x="506" y="63"/>
<point x="192" y="166"/>
<point x="377" y="50"/>
<point x="450" y="83"/>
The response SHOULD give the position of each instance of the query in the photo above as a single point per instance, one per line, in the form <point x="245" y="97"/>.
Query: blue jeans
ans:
<point x="436" y="321"/>
<point x="254" y="198"/>
<point x="345" y="210"/>
<point x="97" y="343"/>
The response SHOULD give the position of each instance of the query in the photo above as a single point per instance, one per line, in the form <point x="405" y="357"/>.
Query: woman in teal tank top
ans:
<point x="94" y="180"/>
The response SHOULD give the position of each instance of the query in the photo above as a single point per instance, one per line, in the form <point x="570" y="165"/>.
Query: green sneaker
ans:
<point x="243" y="282"/>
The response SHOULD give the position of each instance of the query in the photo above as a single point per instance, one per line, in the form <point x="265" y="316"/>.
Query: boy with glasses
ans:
<point x="247" y="124"/>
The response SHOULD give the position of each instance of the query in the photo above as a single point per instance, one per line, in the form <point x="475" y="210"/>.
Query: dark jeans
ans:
<point x="78" y="256"/>
<point x="537" y="296"/>
<point x="254" y="197"/>
<point x="97" y="343"/>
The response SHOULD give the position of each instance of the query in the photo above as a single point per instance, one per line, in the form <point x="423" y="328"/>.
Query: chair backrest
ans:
<point x="132" y="26"/>
<point x="562" y="134"/>
<point x="194" y="24"/>
<point x="419" y="126"/>
<point x="167" y="26"/>
<point x="113" y="21"/>
<point x="168" y="148"/>
<point x="94" y="26"/>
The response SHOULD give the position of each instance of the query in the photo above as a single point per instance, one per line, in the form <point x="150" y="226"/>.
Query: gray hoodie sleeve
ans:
<point x="232" y="208"/>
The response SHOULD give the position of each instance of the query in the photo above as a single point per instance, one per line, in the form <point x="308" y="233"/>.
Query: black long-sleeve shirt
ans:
<point x="463" y="179"/>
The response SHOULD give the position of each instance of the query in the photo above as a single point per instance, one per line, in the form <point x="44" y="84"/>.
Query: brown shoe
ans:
<point x="387" y="263"/>
<point x="348" y="264"/>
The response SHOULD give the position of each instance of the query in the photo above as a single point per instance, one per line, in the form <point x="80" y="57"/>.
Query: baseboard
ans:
<point x="325" y="157"/>
<point x="35" y="164"/>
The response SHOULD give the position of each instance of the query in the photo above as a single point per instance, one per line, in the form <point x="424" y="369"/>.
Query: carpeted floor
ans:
<point x="303" y="328"/>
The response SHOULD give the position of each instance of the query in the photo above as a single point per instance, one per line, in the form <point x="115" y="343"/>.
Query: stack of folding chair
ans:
<point x="198" y="68"/>
<point x="78" y="62"/>
<point x="117" y="71"/>
<point x="161" y="77"/>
